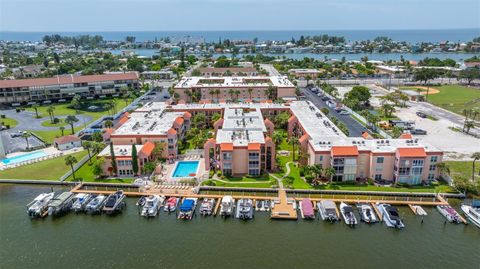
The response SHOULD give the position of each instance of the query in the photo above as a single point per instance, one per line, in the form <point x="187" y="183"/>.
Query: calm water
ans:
<point x="412" y="36"/>
<point x="129" y="241"/>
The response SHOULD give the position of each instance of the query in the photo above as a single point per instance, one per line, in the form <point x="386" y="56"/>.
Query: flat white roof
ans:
<point x="120" y="150"/>
<point x="153" y="122"/>
<point x="277" y="81"/>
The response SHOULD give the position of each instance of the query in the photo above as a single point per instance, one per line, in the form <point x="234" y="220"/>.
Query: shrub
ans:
<point x="2" y="116"/>
<point x="56" y="120"/>
<point x="211" y="173"/>
<point x="370" y="181"/>
<point x="219" y="173"/>
<point x="309" y="179"/>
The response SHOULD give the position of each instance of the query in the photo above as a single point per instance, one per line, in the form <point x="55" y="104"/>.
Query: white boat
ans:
<point x="244" y="209"/>
<point x="449" y="213"/>
<point x="207" y="206"/>
<point x="472" y="214"/>
<point x="152" y="205"/>
<point x="95" y="204"/>
<point x="367" y="214"/>
<point x="328" y="210"/>
<point x="60" y="203"/>
<point x="347" y="214"/>
<point x="390" y="216"/>
<point x="114" y="202"/>
<point x="80" y="200"/>
<point x="419" y="210"/>
<point x="171" y="204"/>
<point x="227" y="205"/>
<point x="39" y="206"/>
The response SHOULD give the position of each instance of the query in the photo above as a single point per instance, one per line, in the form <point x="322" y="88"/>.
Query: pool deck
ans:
<point x="170" y="168"/>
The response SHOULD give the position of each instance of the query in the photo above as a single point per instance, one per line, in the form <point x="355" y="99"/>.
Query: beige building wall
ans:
<point x="240" y="161"/>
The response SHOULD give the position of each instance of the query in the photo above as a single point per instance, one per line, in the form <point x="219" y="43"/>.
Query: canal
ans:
<point x="130" y="241"/>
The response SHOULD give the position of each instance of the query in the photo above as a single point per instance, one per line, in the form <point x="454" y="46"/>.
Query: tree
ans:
<point x="50" y="111"/>
<point x="231" y="92"/>
<point x="281" y="120"/>
<point x="329" y="173"/>
<point x="325" y="111"/>
<point x="36" y="106"/>
<point x="425" y="74"/>
<point x="294" y="142"/>
<point x="199" y="120"/>
<point x="397" y="132"/>
<point x="76" y="103"/>
<point x="88" y="146"/>
<point x="358" y="96"/>
<point x="108" y="124"/>
<point x="388" y="110"/>
<point x="71" y="120"/>
<point x="217" y="93"/>
<point x="157" y="152"/>
<point x="277" y="138"/>
<point x="62" y="129"/>
<point x="308" y="78"/>
<point x="216" y="117"/>
<point x="114" y="161"/>
<point x="250" y="90"/>
<point x="475" y="156"/>
<point x="70" y="160"/>
<point x="149" y="167"/>
<point x="316" y="170"/>
<point x="97" y="167"/>
<point x="26" y="135"/>
<point x="271" y="93"/>
<point x="443" y="168"/>
<point x="134" y="160"/>
<point x="97" y="137"/>
<point x="469" y="74"/>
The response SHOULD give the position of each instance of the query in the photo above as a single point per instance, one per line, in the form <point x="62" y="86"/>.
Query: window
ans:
<point x="417" y="170"/>
<point x="378" y="177"/>
<point x="253" y="156"/>
<point x="380" y="159"/>
<point x="417" y="163"/>
<point x="433" y="159"/>
<point x="320" y="158"/>
<point x="404" y="171"/>
<point x="431" y="176"/>
<point x="432" y="167"/>
<point x="227" y="156"/>
<point x="253" y="172"/>
<point x="170" y="141"/>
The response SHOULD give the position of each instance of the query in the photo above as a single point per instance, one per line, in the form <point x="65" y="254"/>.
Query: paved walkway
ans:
<point x="287" y="172"/>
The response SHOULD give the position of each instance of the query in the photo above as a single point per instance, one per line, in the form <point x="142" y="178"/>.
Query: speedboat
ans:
<point x="187" y="209"/>
<point x="171" y="204"/>
<point x="306" y="209"/>
<point x="152" y="205"/>
<point x="390" y="216"/>
<point x="449" y="213"/>
<point x="60" y="203"/>
<point x="114" y="202"/>
<point x="367" y="214"/>
<point x="39" y="206"/>
<point x="141" y="201"/>
<point x="328" y="210"/>
<point x="347" y="214"/>
<point x="95" y="204"/>
<point x="206" y="208"/>
<point x="244" y="209"/>
<point x="259" y="205"/>
<point x="472" y="213"/>
<point x="80" y="201"/>
<point x="227" y="205"/>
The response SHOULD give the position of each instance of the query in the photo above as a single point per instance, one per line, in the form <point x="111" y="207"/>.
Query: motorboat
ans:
<point x="187" y="209"/>
<point x="95" y="204"/>
<point x="259" y="205"/>
<point x="449" y="213"/>
<point x="141" y="201"/>
<point x="244" y="209"/>
<point x="207" y="206"/>
<point x="115" y="202"/>
<point x="306" y="209"/>
<point x="390" y="216"/>
<point x="171" y="204"/>
<point x="472" y="213"/>
<point x="367" y="213"/>
<point x="60" y="204"/>
<point x="227" y="205"/>
<point x="328" y="210"/>
<point x="152" y="205"/>
<point x="80" y="201"/>
<point x="39" y="206"/>
<point x="267" y="205"/>
<point x="347" y="214"/>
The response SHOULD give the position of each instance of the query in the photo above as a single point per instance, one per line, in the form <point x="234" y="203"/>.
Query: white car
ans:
<point x="344" y="112"/>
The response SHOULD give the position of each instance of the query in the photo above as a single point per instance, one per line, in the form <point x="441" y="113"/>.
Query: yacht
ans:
<point x="227" y="205"/>
<point x="95" y="204"/>
<point x="472" y="213"/>
<point x="152" y="205"/>
<point x="306" y="209"/>
<point x="390" y="216"/>
<point x="449" y="213"/>
<point x="114" y="202"/>
<point x="171" y="204"/>
<point x="187" y="209"/>
<point x="60" y="203"/>
<point x="367" y="214"/>
<point x="347" y="214"/>
<point x="328" y="210"/>
<point x="39" y="206"/>
<point x="80" y="201"/>
<point x="244" y="209"/>
<point x="207" y="206"/>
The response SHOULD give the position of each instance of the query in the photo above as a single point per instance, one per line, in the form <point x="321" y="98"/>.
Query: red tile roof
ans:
<point x="226" y="146"/>
<point x="122" y="121"/>
<point x="187" y="115"/>
<point x="406" y="136"/>
<point x="147" y="148"/>
<point x="68" y="79"/>
<point x="411" y="152"/>
<point x="172" y="131"/>
<point x="66" y="139"/>
<point x="179" y="121"/>
<point x="366" y="135"/>
<point x="253" y="146"/>
<point x="344" y="151"/>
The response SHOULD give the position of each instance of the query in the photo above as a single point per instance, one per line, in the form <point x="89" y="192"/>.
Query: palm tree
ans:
<point x="293" y="141"/>
<point x="36" y="106"/>
<point x="388" y="109"/>
<point x="108" y="124"/>
<point x="270" y="93"/>
<point x="188" y="93"/>
<point x="237" y="93"/>
<point x="329" y="173"/>
<point x="317" y="170"/>
<point x="88" y="146"/>
<point x="217" y="92"/>
<point x="71" y="120"/>
<point x="26" y="135"/>
<point x="71" y="160"/>
<point x="475" y="156"/>
<point x="211" y="92"/>
<point x="50" y="111"/>
<point x="277" y="138"/>
<point x="232" y="93"/>
<point x="443" y="169"/>
<point x="469" y="125"/>
<point x="250" y="90"/>
<point x="62" y="129"/>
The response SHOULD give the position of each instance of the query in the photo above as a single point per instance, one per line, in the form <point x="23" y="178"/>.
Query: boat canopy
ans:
<point x="187" y="205"/>
<point x="307" y="207"/>
<point x="476" y="203"/>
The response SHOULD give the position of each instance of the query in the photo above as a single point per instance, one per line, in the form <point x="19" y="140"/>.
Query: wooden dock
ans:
<point x="217" y="206"/>
<point x="282" y="209"/>
<point x="380" y="216"/>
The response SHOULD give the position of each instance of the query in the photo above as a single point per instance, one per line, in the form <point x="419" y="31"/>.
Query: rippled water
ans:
<point x="130" y="241"/>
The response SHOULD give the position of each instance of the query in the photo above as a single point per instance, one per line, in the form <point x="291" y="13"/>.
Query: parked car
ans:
<point x="344" y="112"/>
<point x="418" y="132"/>
<point x="325" y="98"/>
<point x="17" y="134"/>
<point x="421" y="114"/>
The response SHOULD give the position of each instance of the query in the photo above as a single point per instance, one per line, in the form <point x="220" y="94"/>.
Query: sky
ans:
<point x="205" y="15"/>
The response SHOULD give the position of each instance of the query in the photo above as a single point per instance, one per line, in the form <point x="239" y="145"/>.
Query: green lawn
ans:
<point x="463" y="168"/>
<point x="260" y="184"/>
<point x="48" y="123"/>
<point x="8" y="121"/>
<point x="85" y="173"/>
<point x="51" y="169"/>
<point x="455" y="98"/>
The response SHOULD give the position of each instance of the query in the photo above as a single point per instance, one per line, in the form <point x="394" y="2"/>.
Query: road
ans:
<point x="270" y="69"/>
<point x="354" y="127"/>
<point x="394" y="82"/>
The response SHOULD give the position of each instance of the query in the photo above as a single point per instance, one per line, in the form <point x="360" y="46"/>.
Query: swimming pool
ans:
<point x="185" y="169"/>
<point x="24" y="157"/>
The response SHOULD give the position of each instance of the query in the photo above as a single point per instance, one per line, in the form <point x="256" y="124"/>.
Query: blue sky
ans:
<point x="164" y="15"/>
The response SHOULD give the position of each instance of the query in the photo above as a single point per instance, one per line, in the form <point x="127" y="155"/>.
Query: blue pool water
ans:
<point x="185" y="168"/>
<point x="24" y="157"/>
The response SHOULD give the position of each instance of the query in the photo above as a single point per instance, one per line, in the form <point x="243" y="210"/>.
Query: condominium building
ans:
<point x="303" y="73"/>
<point x="228" y="71"/>
<point x="234" y="88"/>
<point x="64" y="87"/>
<point x="123" y="159"/>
